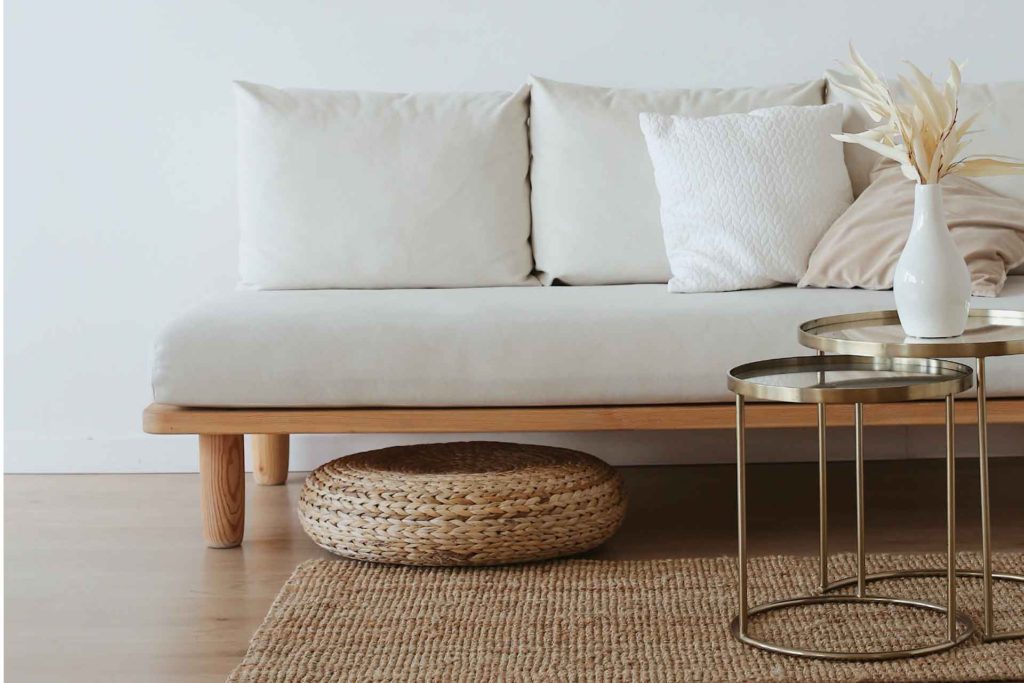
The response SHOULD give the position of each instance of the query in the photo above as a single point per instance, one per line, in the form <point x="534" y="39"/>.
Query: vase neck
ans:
<point x="928" y="204"/>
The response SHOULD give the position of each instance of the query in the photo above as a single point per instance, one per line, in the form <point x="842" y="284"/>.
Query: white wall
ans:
<point x="120" y="140"/>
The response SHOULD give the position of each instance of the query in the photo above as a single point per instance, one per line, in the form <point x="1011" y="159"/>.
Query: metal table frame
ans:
<point x="926" y="378"/>
<point x="980" y="341"/>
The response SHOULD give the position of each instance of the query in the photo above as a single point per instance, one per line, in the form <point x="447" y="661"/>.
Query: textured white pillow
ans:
<point x="746" y="197"/>
<point x="374" y="190"/>
<point x="595" y="206"/>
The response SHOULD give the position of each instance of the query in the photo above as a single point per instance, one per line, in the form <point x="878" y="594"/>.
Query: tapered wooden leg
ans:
<point x="270" y="458"/>
<point x="222" y="473"/>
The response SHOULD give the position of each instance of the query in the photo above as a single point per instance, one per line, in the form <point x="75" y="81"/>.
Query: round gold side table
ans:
<point x="857" y="380"/>
<point x="879" y="334"/>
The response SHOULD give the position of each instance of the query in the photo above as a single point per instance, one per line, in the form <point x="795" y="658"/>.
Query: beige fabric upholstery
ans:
<point x="495" y="346"/>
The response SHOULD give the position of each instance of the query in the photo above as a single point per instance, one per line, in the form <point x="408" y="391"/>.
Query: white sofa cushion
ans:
<point x="746" y="197"/>
<point x="374" y="190"/>
<point x="501" y="346"/>
<point x="595" y="205"/>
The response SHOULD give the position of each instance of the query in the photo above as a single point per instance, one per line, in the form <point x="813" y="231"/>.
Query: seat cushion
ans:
<point x="625" y="344"/>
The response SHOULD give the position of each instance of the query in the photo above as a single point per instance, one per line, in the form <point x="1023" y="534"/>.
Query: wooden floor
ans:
<point x="107" y="578"/>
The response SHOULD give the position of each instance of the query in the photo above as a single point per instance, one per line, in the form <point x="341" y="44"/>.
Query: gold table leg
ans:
<point x="986" y="520"/>
<point x="988" y="631"/>
<point x="822" y="492"/>
<point x="858" y="421"/>
<point x="950" y="519"/>
<point x="741" y="511"/>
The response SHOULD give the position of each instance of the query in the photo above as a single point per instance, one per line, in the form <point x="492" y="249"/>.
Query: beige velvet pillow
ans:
<point x="862" y="246"/>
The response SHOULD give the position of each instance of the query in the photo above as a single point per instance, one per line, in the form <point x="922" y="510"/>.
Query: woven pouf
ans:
<point x="468" y="503"/>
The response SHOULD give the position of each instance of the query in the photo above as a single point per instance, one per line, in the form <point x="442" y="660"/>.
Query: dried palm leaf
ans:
<point x="925" y="135"/>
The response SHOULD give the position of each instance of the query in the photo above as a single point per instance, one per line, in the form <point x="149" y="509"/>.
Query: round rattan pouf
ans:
<point x="468" y="503"/>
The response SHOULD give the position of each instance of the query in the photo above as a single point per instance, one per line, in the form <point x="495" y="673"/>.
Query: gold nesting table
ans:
<point x="850" y="379"/>
<point x="879" y="334"/>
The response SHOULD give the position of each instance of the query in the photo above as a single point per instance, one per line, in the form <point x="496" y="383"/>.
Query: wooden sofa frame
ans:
<point x="221" y="432"/>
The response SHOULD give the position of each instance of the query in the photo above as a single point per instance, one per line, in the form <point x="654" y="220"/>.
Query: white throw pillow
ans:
<point x="746" y="197"/>
<point x="375" y="190"/>
<point x="595" y="206"/>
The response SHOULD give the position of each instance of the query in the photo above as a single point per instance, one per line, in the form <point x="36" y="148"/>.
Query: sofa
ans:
<point x="483" y="263"/>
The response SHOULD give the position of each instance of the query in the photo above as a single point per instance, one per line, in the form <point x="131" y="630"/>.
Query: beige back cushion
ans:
<point x="595" y="204"/>
<point x="862" y="247"/>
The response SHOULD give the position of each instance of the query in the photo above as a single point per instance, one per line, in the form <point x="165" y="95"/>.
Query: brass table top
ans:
<point x="849" y="379"/>
<point x="878" y="333"/>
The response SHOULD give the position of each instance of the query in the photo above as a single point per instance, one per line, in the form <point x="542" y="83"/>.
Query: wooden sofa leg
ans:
<point x="222" y="474"/>
<point x="270" y="459"/>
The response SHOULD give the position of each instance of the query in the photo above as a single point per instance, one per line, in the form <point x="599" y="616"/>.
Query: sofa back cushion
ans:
<point x="374" y="190"/>
<point x="595" y="204"/>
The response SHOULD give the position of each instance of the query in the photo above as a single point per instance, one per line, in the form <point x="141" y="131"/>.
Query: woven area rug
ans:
<point x="609" y="621"/>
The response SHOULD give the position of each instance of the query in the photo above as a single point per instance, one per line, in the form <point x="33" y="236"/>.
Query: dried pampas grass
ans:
<point x="926" y="135"/>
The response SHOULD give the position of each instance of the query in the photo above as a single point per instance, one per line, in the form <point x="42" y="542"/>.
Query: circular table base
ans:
<point x="965" y="632"/>
<point x="941" y="573"/>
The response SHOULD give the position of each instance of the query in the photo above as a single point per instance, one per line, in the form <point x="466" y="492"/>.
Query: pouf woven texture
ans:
<point x="467" y="503"/>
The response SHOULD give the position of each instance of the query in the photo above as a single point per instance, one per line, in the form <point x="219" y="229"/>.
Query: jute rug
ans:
<point x="608" y="621"/>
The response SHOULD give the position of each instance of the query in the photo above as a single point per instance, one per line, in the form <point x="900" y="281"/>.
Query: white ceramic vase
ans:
<point x="932" y="284"/>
